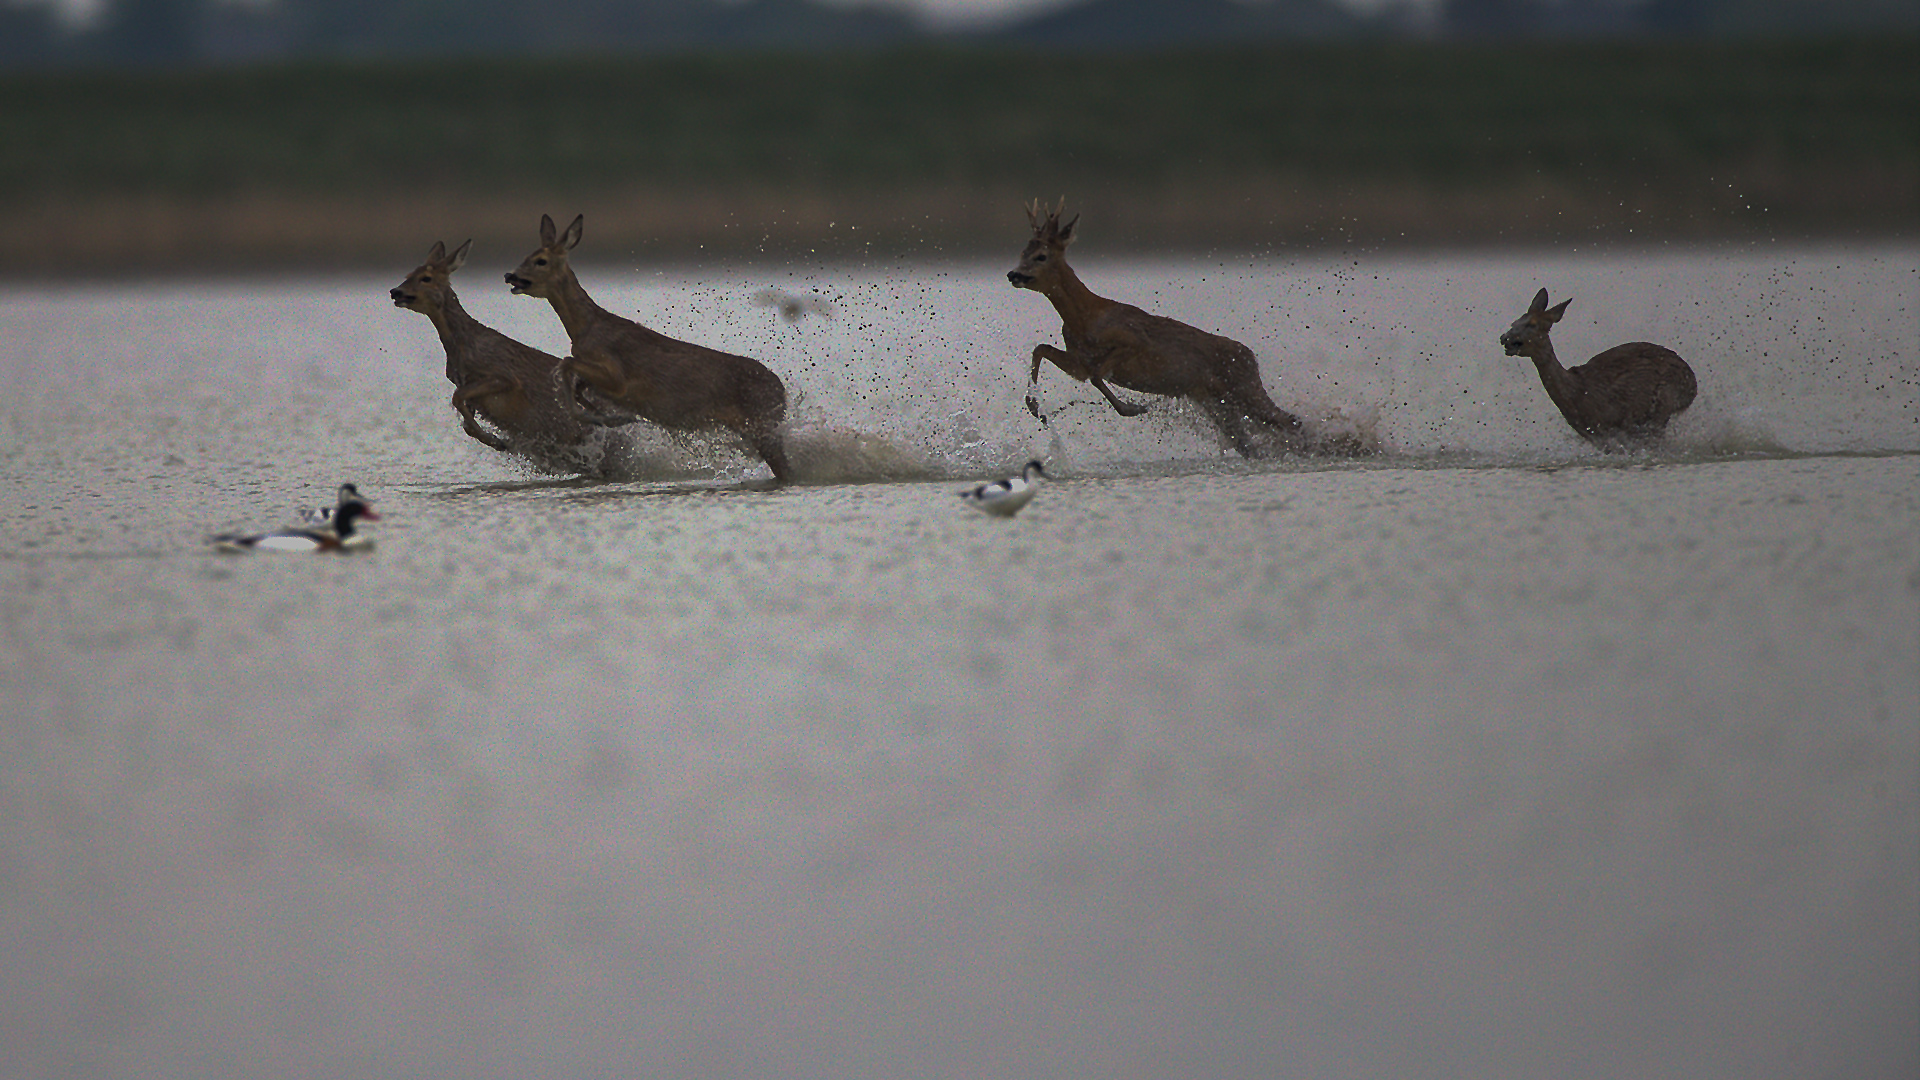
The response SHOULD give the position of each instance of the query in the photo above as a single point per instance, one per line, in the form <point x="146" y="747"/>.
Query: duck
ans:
<point x="335" y="531"/>
<point x="1004" y="498"/>
<point x="323" y="515"/>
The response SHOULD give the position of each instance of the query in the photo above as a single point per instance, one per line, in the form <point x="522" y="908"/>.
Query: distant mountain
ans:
<point x="173" y="33"/>
<point x="1700" y="18"/>
<point x="182" y="33"/>
<point x="509" y="26"/>
<point x="1744" y="17"/>
<point x="1142" y="24"/>
<point x="27" y="35"/>
<point x="795" y="24"/>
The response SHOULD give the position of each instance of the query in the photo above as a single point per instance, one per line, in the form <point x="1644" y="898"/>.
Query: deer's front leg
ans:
<point x="1060" y="360"/>
<point x="585" y="402"/>
<point x="606" y="379"/>
<point x="1084" y="372"/>
<point x="463" y="404"/>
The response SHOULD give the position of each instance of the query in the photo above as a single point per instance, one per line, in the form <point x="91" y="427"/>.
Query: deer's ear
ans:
<point x="575" y="230"/>
<point x="1539" y="303"/>
<point x="437" y="253"/>
<point x="459" y="256"/>
<point x="547" y="230"/>
<point x="1066" y="231"/>
<point x="1557" y="310"/>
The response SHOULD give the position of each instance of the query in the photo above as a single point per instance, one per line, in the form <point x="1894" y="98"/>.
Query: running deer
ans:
<point x="515" y="387"/>
<point x="1108" y="342"/>
<point x="673" y="383"/>
<point x="1625" y="394"/>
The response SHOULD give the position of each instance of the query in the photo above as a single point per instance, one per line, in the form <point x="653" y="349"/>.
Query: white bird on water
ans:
<point x="1004" y="498"/>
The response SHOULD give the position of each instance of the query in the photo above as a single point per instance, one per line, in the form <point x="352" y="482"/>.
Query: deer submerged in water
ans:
<point x="1626" y="394"/>
<point x="669" y="382"/>
<point x="515" y="387"/>
<point x="1109" y="343"/>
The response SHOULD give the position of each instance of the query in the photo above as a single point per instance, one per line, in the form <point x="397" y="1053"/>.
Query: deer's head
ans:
<point x="1529" y="331"/>
<point x="427" y="288"/>
<point x="1046" y="253"/>
<point x="537" y="274"/>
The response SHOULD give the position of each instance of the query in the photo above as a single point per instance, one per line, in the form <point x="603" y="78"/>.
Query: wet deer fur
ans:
<point x="513" y="386"/>
<point x="1626" y="393"/>
<point x="669" y="382"/>
<point x="1109" y="343"/>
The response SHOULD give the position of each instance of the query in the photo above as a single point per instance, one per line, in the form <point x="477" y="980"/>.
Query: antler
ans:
<point x="1051" y="225"/>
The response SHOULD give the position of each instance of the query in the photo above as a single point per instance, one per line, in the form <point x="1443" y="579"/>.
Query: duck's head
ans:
<point x="353" y="508"/>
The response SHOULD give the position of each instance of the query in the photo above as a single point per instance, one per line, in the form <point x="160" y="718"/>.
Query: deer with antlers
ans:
<point x="673" y="383"/>
<point x="1626" y="394"/>
<point x="516" y="388"/>
<point x="1109" y="344"/>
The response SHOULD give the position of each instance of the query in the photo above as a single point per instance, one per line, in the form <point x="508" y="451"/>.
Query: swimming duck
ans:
<point x="337" y="533"/>
<point x="323" y="515"/>
<point x="1004" y="498"/>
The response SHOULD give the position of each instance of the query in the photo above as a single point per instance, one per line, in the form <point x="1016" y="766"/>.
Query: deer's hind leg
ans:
<point x="1253" y="403"/>
<point x="773" y="451"/>
<point x="1253" y="424"/>
<point x="1233" y="424"/>
<point x="763" y="408"/>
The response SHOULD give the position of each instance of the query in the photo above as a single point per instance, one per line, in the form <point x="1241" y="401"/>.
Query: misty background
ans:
<point x="38" y="33"/>
<point x="292" y="136"/>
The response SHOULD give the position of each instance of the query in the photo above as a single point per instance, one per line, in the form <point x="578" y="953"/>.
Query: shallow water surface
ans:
<point x="1490" y="754"/>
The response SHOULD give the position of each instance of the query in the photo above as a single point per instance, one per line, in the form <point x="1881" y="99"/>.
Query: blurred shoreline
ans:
<point x="929" y="154"/>
<point x="281" y="233"/>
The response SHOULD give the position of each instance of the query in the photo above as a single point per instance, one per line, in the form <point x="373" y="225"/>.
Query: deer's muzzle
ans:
<point x="518" y="284"/>
<point x="1020" y="280"/>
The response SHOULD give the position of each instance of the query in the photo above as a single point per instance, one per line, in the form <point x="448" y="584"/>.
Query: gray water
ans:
<point x="1490" y="755"/>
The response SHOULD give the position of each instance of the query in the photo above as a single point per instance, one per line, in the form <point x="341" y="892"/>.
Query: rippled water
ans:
<point x="1491" y="754"/>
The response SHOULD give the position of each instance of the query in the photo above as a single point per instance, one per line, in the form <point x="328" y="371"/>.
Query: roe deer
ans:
<point x="516" y="387"/>
<point x="1110" y="342"/>
<point x="1627" y="393"/>
<point x="673" y="383"/>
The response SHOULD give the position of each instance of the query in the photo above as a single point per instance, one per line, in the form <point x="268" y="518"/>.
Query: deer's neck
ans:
<point x="576" y="309"/>
<point x="1561" y="386"/>
<point x="457" y="331"/>
<point x="1076" y="303"/>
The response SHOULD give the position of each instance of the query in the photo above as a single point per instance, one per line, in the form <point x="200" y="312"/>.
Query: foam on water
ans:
<point x="1803" y="353"/>
<point x="922" y="372"/>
